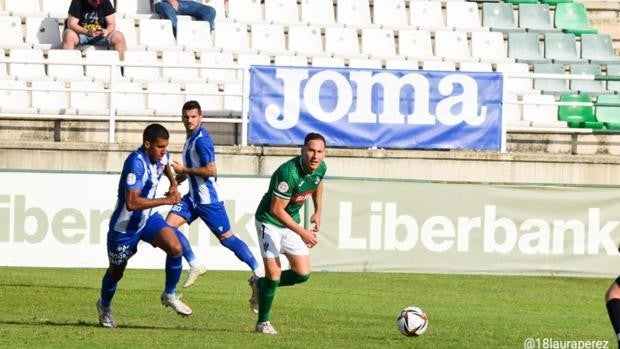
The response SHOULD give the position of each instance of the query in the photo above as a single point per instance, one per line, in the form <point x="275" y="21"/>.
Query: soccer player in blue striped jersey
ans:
<point x="202" y="199"/>
<point x="134" y="219"/>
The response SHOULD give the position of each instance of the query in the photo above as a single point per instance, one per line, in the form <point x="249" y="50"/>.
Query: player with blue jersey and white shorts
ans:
<point x="278" y="224"/>
<point x="202" y="200"/>
<point x="134" y="219"/>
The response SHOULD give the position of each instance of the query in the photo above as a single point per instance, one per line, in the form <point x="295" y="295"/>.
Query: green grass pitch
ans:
<point x="55" y="308"/>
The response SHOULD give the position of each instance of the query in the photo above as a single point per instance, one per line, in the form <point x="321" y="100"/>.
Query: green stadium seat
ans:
<point x="578" y="116"/>
<point x="598" y="48"/>
<point x="613" y="86"/>
<point x="535" y="18"/>
<point x="561" y="48"/>
<point x="499" y="17"/>
<point x="590" y="87"/>
<point x="607" y="111"/>
<point x="525" y="47"/>
<point x="554" y="2"/>
<point x="573" y="18"/>
<point x="550" y="86"/>
<point x="521" y="1"/>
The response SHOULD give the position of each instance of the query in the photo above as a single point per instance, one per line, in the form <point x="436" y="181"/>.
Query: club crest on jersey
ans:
<point x="283" y="187"/>
<point x="317" y="180"/>
<point x="160" y="169"/>
<point x="131" y="178"/>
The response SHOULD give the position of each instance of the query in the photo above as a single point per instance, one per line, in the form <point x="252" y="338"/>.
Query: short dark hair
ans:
<point x="312" y="136"/>
<point x="153" y="132"/>
<point x="189" y="105"/>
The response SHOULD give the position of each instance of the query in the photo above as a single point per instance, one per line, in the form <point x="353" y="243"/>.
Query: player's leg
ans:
<point x="298" y="256"/>
<point x="179" y="215"/>
<point x="612" y="301"/>
<point x="159" y="234"/>
<point x="269" y="241"/>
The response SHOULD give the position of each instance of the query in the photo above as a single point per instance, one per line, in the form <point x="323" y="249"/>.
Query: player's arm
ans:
<point x="208" y="170"/>
<point x="277" y="210"/>
<point x="317" y="199"/>
<point x="172" y="179"/>
<point x="135" y="202"/>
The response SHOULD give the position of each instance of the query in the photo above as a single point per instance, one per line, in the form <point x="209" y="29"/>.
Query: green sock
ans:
<point x="289" y="277"/>
<point x="266" y="294"/>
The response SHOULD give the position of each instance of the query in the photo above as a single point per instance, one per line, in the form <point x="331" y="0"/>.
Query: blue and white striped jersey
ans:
<point x="138" y="173"/>
<point x="198" y="151"/>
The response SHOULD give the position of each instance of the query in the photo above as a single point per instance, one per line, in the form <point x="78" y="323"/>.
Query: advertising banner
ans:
<point x="60" y="220"/>
<point x="376" y="107"/>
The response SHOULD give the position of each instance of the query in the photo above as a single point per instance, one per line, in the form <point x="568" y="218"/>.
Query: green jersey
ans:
<point x="292" y="183"/>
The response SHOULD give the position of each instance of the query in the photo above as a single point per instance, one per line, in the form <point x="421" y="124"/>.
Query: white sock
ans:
<point x="194" y="263"/>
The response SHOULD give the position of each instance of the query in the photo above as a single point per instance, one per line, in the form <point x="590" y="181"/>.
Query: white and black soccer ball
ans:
<point x="412" y="321"/>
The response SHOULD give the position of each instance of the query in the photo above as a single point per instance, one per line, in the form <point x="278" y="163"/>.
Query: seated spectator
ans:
<point x="169" y="9"/>
<point x="92" y="22"/>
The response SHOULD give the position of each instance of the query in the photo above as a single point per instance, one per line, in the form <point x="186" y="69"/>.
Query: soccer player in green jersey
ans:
<point x="278" y="225"/>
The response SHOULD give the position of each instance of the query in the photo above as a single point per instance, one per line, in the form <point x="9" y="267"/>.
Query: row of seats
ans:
<point x="130" y="98"/>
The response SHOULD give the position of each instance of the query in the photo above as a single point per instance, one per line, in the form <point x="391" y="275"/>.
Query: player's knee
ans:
<point x="115" y="273"/>
<point x="302" y="278"/>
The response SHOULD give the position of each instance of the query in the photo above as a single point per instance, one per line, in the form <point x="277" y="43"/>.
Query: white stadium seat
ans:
<point x="232" y="37"/>
<point x="342" y="42"/>
<point x="15" y="101"/>
<point x="489" y="47"/>
<point x="180" y="74"/>
<point x="194" y="35"/>
<point x="378" y="43"/>
<point x="268" y="38"/>
<point x="426" y="15"/>
<point x="540" y="111"/>
<point x="157" y="35"/>
<point x="138" y="73"/>
<point x="99" y="72"/>
<point x="56" y="8"/>
<point x="401" y="64"/>
<point x="329" y="62"/>
<point x="207" y="95"/>
<point x="476" y="67"/>
<point x="127" y="26"/>
<point x="233" y="104"/>
<point x="318" y="12"/>
<point x="353" y="12"/>
<point x="130" y="100"/>
<point x="295" y="61"/>
<point x="368" y="63"/>
<point x="89" y="98"/>
<point x="438" y="65"/>
<point x="452" y="45"/>
<point x="218" y="60"/>
<point x="282" y="11"/>
<point x="12" y="34"/>
<point x="511" y="112"/>
<point x="416" y="45"/>
<point x="516" y="85"/>
<point x="134" y="9"/>
<point x="24" y="70"/>
<point x="463" y="15"/>
<point x="47" y="99"/>
<point x="391" y="14"/>
<point x="43" y="32"/>
<point x="23" y="8"/>
<point x="306" y="40"/>
<point x="65" y="72"/>
<point x="164" y="98"/>
<point x="247" y="11"/>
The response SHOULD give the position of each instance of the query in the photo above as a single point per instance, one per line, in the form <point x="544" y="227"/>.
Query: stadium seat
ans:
<point x="489" y="47"/>
<point x="578" y="115"/>
<point x="12" y="35"/>
<point x="233" y="37"/>
<point x="220" y="10"/>
<point x="134" y="9"/>
<point x="476" y="67"/>
<point x="24" y="8"/>
<point x="541" y="111"/>
<point x="55" y="8"/>
<point x="589" y="87"/>
<point x="99" y="72"/>
<point x="561" y="48"/>
<point x="401" y="64"/>
<point x="165" y="98"/>
<point x="268" y="39"/>
<point x="554" y="2"/>
<point x="613" y="70"/>
<point x="194" y="35"/>
<point x="47" y="98"/>
<point x="426" y="15"/>
<point x="89" y="98"/>
<point x="208" y="95"/>
<point x="65" y="72"/>
<point x="233" y="102"/>
<point x="391" y="14"/>
<point x="43" y="32"/>
<point x="607" y="111"/>
<point x="136" y="72"/>
<point x="535" y="17"/>
<point x="130" y="100"/>
<point x="550" y="86"/>
<point x="438" y="65"/>
<point x="452" y="46"/>
<point x="288" y="60"/>
<point x="521" y="1"/>
<point x="15" y="101"/>
<point x="511" y="112"/>
<point x="572" y="17"/>
<point x="366" y="63"/>
<point x="329" y="62"/>
<point x="156" y="35"/>
<point x="4" y="73"/>
<point x="305" y="40"/>
<point x="416" y="45"/>
<point x="378" y="43"/>
<point x="354" y="13"/>
<point x="516" y="85"/>
<point x="281" y="12"/>
<point x="342" y="42"/>
<point x="127" y="26"/>
<point x="463" y="15"/>
<point x="245" y="60"/>
<point x="598" y="48"/>
<point x="246" y="11"/>
<point x="318" y="12"/>
<point x="499" y="17"/>
<point x="218" y="61"/>
<point x="24" y="70"/>
<point x="525" y="47"/>
<point x="185" y="74"/>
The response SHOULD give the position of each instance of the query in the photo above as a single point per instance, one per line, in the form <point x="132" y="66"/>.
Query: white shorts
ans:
<point x="274" y="240"/>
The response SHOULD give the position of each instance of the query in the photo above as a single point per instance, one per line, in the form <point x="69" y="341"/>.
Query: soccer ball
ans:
<point x="412" y="321"/>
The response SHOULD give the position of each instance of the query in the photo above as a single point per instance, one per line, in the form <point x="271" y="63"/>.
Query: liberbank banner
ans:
<point x="376" y="107"/>
<point x="60" y="220"/>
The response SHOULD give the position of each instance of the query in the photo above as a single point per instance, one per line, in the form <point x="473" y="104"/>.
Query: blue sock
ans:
<point x="188" y="254"/>
<point x="241" y="250"/>
<point x="173" y="273"/>
<point x="108" y="289"/>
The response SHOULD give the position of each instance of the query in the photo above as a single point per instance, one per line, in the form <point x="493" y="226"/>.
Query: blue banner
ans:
<point x="376" y="108"/>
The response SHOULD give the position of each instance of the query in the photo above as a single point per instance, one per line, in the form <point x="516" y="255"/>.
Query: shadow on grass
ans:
<point x="82" y="323"/>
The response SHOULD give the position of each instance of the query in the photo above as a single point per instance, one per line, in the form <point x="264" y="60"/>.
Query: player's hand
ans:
<point x="173" y="189"/>
<point x="177" y="167"/>
<point x="315" y="219"/>
<point x="180" y="178"/>
<point x="309" y="238"/>
<point x="173" y="198"/>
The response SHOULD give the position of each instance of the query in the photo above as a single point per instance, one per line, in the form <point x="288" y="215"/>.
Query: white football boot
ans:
<point x="193" y="274"/>
<point x="174" y="302"/>
<point x="106" y="319"/>
<point x="265" y="328"/>
<point x="253" y="282"/>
